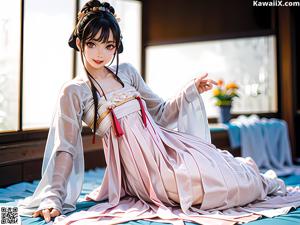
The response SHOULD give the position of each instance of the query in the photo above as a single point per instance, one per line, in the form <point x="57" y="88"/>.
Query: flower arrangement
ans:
<point x="225" y="93"/>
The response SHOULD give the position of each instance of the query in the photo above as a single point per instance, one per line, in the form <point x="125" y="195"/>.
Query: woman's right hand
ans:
<point x="46" y="213"/>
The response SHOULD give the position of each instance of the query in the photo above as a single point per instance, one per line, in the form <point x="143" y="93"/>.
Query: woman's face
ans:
<point x="98" y="54"/>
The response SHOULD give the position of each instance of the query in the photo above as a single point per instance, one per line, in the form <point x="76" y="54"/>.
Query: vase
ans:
<point x="224" y="114"/>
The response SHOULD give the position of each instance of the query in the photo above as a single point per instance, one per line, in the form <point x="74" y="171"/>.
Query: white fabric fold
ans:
<point x="62" y="173"/>
<point x="184" y="112"/>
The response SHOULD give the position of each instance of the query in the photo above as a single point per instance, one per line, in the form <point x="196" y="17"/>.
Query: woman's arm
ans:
<point x="64" y="145"/>
<point x="51" y="206"/>
<point x="166" y="112"/>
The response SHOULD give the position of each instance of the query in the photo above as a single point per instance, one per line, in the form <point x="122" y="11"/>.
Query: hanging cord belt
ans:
<point x="142" y="110"/>
<point x="117" y="126"/>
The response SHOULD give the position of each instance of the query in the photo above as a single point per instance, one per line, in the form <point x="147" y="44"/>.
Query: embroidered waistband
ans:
<point x="105" y="113"/>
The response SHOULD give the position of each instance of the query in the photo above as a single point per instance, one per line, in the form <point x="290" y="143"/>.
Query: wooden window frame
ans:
<point x="21" y="135"/>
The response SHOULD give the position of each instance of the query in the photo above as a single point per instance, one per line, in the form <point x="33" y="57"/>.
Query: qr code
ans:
<point x="9" y="215"/>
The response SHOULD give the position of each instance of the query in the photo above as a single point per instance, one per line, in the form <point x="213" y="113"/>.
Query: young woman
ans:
<point x="160" y="162"/>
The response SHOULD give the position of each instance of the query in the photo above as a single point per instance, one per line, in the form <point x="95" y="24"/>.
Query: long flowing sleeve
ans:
<point x="63" y="162"/>
<point x="184" y="112"/>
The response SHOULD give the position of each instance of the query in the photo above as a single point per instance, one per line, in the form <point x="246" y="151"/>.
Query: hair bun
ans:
<point x="96" y="3"/>
<point x="90" y="4"/>
<point x="109" y="7"/>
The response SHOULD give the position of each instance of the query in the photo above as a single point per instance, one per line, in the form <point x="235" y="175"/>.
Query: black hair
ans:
<point x="89" y="24"/>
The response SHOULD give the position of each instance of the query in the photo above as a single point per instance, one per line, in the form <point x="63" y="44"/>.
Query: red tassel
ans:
<point x="94" y="139"/>
<point x="142" y="110"/>
<point x="118" y="128"/>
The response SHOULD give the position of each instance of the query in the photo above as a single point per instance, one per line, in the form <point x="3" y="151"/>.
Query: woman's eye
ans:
<point x="110" y="47"/>
<point x="90" y="44"/>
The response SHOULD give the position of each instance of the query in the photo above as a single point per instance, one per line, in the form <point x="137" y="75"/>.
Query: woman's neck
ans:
<point x="98" y="74"/>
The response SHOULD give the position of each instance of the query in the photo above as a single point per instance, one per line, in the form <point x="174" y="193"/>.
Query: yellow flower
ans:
<point x="220" y="82"/>
<point x="232" y="85"/>
<point x="224" y="93"/>
<point x="216" y="92"/>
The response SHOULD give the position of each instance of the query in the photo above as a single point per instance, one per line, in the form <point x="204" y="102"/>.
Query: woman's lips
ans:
<point x="98" y="61"/>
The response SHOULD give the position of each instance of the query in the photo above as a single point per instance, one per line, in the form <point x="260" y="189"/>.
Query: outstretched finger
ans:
<point x="54" y="213"/>
<point x="36" y="213"/>
<point x="203" y="81"/>
<point x="213" y="82"/>
<point x="46" y="214"/>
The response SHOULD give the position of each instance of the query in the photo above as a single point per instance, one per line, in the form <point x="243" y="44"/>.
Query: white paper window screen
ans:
<point x="250" y="62"/>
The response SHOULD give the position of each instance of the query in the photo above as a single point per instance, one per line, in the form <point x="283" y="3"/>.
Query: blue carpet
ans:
<point x="10" y="194"/>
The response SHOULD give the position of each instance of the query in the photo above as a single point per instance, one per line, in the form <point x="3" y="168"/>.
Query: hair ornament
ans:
<point x="80" y="15"/>
<point x="117" y="18"/>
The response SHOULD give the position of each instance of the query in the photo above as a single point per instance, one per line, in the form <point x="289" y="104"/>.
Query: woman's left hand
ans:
<point x="203" y="84"/>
